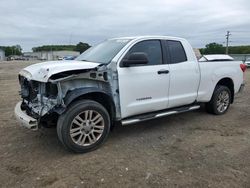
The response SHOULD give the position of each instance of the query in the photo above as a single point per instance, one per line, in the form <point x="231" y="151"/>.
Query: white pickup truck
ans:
<point x="124" y="80"/>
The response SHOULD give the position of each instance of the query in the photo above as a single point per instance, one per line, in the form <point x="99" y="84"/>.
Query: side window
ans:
<point x="152" y="48"/>
<point x="176" y="51"/>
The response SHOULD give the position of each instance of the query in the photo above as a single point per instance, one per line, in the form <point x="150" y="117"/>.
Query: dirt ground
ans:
<point x="193" y="149"/>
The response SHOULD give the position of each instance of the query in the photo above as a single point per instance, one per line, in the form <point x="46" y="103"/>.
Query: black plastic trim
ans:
<point x="82" y="91"/>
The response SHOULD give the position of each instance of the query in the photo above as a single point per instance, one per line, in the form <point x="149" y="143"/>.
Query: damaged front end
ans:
<point x="43" y="102"/>
<point x="38" y="101"/>
<point x="38" y="97"/>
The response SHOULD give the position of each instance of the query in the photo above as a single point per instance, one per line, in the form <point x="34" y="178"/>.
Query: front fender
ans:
<point x="72" y="95"/>
<point x="100" y="95"/>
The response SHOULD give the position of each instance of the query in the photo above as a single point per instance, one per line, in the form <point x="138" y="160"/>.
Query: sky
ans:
<point x="33" y="23"/>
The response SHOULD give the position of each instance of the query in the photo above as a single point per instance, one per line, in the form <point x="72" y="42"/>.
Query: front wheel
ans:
<point x="220" y="100"/>
<point x="84" y="126"/>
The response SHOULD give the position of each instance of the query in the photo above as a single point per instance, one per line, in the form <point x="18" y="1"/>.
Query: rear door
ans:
<point x="144" y="88"/>
<point x="184" y="74"/>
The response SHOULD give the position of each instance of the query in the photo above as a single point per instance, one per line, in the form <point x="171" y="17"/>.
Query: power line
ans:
<point x="240" y="31"/>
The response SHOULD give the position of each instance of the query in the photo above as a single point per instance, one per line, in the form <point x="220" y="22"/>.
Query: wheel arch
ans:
<point x="228" y="82"/>
<point x="96" y="94"/>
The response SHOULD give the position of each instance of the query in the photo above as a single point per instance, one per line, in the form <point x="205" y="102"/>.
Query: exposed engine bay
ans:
<point x="44" y="98"/>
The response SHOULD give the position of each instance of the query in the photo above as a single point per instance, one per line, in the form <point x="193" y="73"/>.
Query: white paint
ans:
<point x="24" y="119"/>
<point x="142" y="90"/>
<point x="215" y="57"/>
<point x="43" y="71"/>
<point x="186" y="83"/>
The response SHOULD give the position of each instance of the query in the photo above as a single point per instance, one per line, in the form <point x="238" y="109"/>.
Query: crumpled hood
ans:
<point x="43" y="71"/>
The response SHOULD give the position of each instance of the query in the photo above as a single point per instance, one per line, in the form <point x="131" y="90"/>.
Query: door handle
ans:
<point x="163" y="72"/>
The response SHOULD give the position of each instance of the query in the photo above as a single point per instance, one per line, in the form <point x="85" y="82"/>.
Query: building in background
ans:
<point x="49" y="55"/>
<point x="2" y="55"/>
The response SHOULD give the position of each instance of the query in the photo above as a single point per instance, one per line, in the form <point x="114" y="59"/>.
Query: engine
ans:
<point x="29" y="89"/>
<point x="38" y="98"/>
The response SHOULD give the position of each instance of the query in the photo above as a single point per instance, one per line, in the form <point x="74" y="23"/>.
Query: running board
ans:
<point x="146" y="117"/>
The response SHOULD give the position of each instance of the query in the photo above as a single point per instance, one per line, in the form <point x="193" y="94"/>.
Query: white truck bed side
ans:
<point x="213" y="72"/>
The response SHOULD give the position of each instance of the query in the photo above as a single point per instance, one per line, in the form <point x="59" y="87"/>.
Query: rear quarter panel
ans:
<point x="213" y="72"/>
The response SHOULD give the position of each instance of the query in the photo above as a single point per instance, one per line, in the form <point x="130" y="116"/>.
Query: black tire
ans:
<point x="211" y="106"/>
<point x="64" y="125"/>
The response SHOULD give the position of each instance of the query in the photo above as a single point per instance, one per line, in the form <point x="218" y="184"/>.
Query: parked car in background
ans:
<point x="70" y="57"/>
<point x="42" y="59"/>
<point x="247" y="62"/>
<point x="17" y="57"/>
<point x="10" y="58"/>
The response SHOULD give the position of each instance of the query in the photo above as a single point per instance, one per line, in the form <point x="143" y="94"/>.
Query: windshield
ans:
<point x="103" y="52"/>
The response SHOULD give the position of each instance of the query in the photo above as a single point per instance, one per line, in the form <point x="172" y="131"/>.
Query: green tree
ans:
<point x="213" y="48"/>
<point x="239" y="50"/>
<point x="19" y="48"/>
<point x="81" y="47"/>
<point x="12" y="50"/>
<point x="54" y="48"/>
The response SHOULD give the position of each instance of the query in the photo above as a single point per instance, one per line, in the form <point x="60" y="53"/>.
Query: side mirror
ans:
<point x="137" y="58"/>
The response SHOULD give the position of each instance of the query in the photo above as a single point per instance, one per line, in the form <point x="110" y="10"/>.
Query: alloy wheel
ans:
<point x="87" y="128"/>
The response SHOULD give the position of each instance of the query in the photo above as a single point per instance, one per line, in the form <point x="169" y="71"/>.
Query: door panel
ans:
<point x="184" y="83"/>
<point x="142" y="89"/>
<point x="184" y="77"/>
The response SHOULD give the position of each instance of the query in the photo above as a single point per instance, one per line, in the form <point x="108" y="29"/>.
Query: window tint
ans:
<point x="152" y="48"/>
<point x="176" y="51"/>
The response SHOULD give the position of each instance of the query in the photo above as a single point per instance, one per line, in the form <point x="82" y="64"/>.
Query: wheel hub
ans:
<point x="87" y="127"/>
<point x="223" y="101"/>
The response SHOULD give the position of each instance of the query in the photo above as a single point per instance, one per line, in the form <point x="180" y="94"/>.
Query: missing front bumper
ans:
<point x="24" y="119"/>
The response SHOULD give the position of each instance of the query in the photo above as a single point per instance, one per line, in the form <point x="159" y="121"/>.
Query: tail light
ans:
<point x="243" y="67"/>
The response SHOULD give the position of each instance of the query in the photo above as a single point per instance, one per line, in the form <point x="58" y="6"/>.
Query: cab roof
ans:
<point x="149" y="37"/>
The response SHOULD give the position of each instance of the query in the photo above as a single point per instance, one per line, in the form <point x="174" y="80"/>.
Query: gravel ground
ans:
<point x="193" y="149"/>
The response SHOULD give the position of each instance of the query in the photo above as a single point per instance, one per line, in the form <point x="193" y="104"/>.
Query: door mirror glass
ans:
<point x="136" y="58"/>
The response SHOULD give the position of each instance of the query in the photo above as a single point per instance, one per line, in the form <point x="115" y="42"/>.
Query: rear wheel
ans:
<point x="84" y="126"/>
<point x="220" y="100"/>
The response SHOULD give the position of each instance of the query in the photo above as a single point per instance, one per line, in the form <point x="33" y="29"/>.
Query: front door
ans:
<point x="144" y="88"/>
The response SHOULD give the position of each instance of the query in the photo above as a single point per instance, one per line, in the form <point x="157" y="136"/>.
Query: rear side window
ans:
<point x="176" y="51"/>
<point x="152" y="48"/>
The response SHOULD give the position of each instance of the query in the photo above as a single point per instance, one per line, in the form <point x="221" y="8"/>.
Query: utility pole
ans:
<point x="227" y="37"/>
